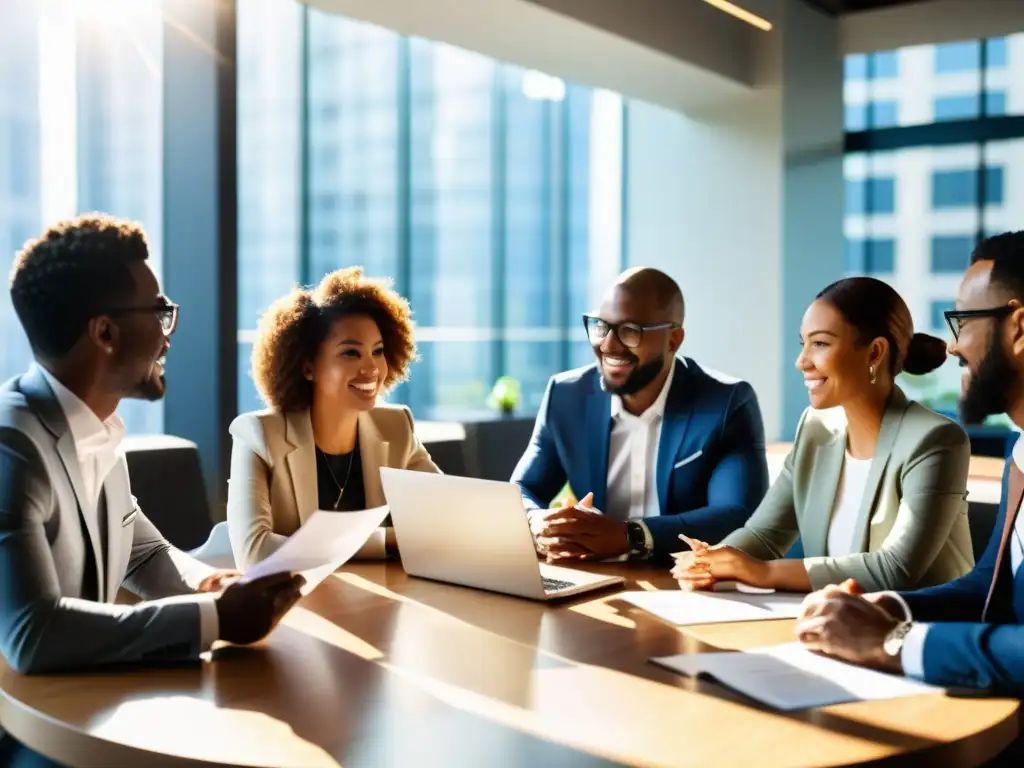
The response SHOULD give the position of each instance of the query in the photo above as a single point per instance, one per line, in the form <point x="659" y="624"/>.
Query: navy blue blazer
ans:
<point x="961" y="649"/>
<point x="712" y="471"/>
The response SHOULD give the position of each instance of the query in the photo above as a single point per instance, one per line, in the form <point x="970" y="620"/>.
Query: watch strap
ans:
<point x="636" y="538"/>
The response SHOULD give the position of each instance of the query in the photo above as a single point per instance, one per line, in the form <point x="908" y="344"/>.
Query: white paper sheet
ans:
<point x="689" y="608"/>
<point x="790" y="677"/>
<point x="739" y="586"/>
<point x="322" y="544"/>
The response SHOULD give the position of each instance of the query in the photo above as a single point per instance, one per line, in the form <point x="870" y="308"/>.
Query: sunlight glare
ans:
<point x="58" y="157"/>
<point x="112" y="12"/>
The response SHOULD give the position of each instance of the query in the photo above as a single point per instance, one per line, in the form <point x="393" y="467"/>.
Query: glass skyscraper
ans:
<point x="80" y="130"/>
<point x="948" y="171"/>
<point x="466" y="180"/>
<point x="481" y="188"/>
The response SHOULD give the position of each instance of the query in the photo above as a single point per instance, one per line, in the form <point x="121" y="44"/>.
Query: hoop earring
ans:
<point x="871" y="374"/>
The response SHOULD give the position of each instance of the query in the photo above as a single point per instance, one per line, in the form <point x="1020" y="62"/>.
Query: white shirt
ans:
<point x="1017" y="538"/>
<point x="633" y="460"/>
<point x="846" y="507"/>
<point x="98" y="446"/>
<point x="912" y="655"/>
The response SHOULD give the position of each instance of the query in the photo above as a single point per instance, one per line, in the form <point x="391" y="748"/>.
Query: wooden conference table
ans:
<point x="378" y="669"/>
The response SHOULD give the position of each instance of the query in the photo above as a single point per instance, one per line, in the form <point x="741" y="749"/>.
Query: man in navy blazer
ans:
<point x="969" y="632"/>
<point x="659" y="446"/>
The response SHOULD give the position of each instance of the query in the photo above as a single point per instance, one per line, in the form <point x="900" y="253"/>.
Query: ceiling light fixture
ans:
<point x="741" y="14"/>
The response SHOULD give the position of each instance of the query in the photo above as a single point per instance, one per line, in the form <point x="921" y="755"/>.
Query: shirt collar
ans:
<point x="657" y="409"/>
<point x="89" y="433"/>
<point x="1018" y="453"/>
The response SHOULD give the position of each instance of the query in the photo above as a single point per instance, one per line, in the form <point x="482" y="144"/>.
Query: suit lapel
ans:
<point x="69" y="457"/>
<point x="598" y="434"/>
<point x="373" y="453"/>
<point x="678" y="407"/>
<point x="115" y="487"/>
<point x="891" y="421"/>
<point x="821" y="494"/>
<point x="1014" y="497"/>
<point x="45" y="404"/>
<point x="301" y="462"/>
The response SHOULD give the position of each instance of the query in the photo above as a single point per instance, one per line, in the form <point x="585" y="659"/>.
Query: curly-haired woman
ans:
<point x="320" y="360"/>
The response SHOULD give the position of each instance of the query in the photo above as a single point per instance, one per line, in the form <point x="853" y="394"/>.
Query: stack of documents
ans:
<point x="791" y="677"/>
<point x="689" y="608"/>
<point x="325" y="542"/>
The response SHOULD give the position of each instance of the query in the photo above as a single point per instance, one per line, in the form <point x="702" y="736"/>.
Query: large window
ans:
<point x="954" y="164"/>
<point x="969" y="106"/>
<point x="481" y="188"/>
<point x="870" y="256"/>
<point x="951" y="253"/>
<point x="80" y="130"/>
<point x="960" y="188"/>
<point x="871" y="195"/>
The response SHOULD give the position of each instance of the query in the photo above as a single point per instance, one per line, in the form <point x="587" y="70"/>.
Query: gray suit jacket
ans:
<point x="60" y="571"/>
<point x="912" y="523"/>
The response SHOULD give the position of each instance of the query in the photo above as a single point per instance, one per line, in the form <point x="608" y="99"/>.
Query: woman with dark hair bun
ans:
<point x="876" y="485"/>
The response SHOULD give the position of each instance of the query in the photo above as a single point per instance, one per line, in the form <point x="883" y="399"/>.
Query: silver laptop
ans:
<point x="475" y="533"/>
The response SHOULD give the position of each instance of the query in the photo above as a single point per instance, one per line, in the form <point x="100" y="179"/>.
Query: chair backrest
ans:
<point x="497" y="446"/>
<point x="447" y="443"/>
<point x="981" y="518"/>
<point x="450" y="456"/>
<point x="167" y="479"/>
<point x="216" y="551"/>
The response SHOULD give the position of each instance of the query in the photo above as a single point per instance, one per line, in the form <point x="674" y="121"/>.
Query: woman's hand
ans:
<point x="703" y="566"/>
<point x="689" y="570"/>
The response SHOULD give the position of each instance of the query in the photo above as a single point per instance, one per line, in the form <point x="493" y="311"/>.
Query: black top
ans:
<point x="341" y="466"/>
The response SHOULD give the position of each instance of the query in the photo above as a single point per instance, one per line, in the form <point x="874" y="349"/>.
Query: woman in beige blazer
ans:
<point x="875" y="485"/>
<point x="321" y="359"/>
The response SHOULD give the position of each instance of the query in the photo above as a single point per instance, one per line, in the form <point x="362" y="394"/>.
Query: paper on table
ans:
<point x="791" y="677"/>
<point x="739" y="586"/>
<point x="322" y="544"/>
<point x="688" y="608"/>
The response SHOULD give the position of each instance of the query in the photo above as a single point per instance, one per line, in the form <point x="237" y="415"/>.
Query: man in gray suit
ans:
<point x="71" y="533"/>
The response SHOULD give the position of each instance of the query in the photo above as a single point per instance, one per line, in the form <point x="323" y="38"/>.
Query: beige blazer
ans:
<point x="273" y="488"/>
<point x="913" y="516"/>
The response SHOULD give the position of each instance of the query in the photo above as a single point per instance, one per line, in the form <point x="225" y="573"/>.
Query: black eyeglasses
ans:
<point x="167" y="311"/>
<point x="956" y="318"/>
<point x="630" y="334"/>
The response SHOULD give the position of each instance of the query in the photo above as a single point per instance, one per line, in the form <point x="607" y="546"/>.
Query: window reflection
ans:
<point x="914" y="214"/>
<point x="487" y="191"/>
<point x="81" y="129"/>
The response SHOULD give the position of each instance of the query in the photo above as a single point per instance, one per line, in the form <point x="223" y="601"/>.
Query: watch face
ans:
<point x="636" y="535"/>
<point x="893" y="643"/>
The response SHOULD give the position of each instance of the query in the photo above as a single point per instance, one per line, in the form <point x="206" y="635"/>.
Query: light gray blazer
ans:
<point x="912" y="524"/>
<point x="273" y="490"/>
<point x="60" y="571"/>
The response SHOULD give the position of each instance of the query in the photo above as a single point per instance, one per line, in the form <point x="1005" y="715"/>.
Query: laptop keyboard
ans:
<point x="555" y="585"/>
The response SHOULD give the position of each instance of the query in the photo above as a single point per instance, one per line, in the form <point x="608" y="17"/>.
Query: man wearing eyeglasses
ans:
<point x="969" y="632"/>
<point x="654" y="445"/>
<point x="71" y="533"/>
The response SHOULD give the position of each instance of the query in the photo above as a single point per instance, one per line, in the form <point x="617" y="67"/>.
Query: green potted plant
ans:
<point x="505" y="396"/>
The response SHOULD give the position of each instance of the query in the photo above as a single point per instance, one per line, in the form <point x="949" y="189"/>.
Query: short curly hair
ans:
<point x="291" y="331"/>
<point x="74" y="271"/>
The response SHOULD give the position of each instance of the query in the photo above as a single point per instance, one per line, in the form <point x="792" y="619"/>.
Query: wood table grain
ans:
<point x="378" y="669"/>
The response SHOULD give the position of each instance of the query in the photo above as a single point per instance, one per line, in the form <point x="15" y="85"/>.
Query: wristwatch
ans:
<point x="893" y="643"/>
<point x="636" y="538"/>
